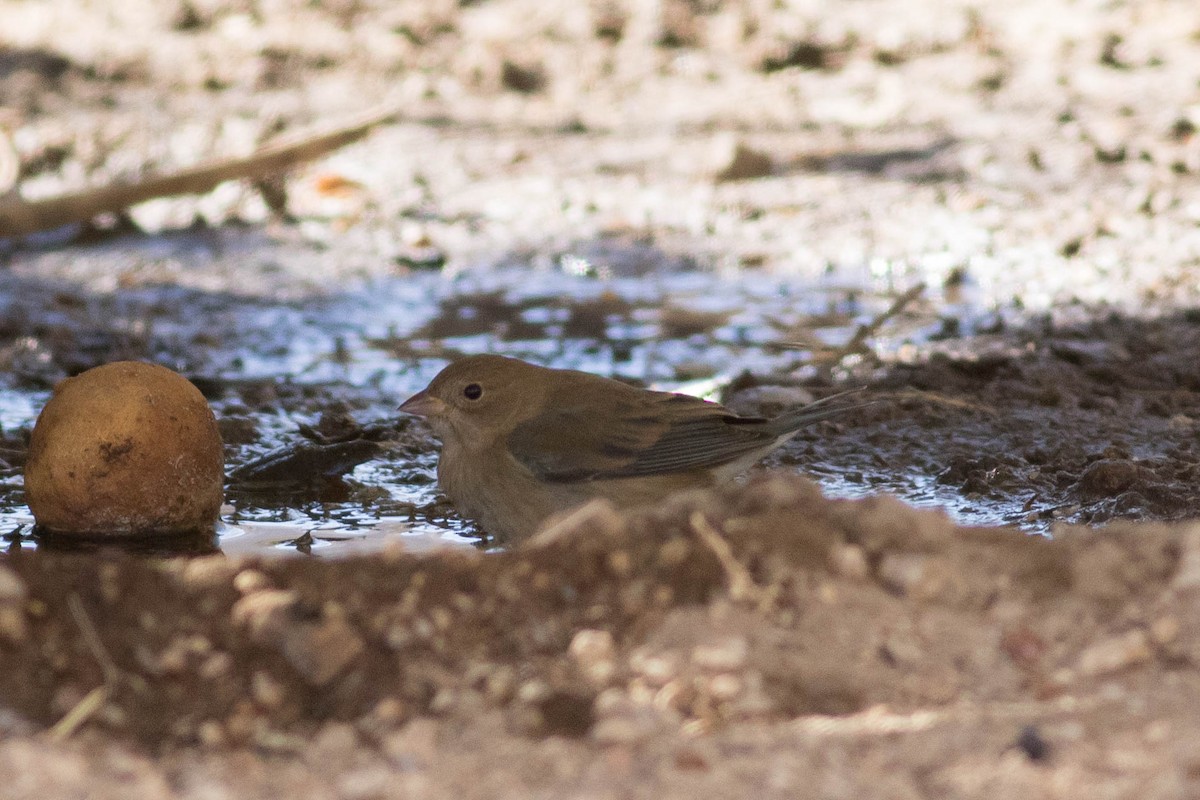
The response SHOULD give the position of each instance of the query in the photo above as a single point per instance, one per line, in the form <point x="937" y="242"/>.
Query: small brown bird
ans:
<point x="521" y="442"/>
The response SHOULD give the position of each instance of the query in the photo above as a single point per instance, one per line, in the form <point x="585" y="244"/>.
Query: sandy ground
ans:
<point x="759" y="641"/>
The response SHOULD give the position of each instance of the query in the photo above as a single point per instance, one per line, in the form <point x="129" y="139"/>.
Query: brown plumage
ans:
<point x="521" y="442"/>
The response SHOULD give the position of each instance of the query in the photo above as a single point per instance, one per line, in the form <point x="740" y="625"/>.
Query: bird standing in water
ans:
<point x="521" y="442"/>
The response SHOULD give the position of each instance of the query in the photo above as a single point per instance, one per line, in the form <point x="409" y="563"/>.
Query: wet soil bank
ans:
<point x="1075" y="422"/>
<point x="757" y="640"/>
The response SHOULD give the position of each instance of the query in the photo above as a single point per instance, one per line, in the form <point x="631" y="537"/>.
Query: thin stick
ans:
<point x="877" y="721"/>
<point x="10" y="165"/>
<point x="937" y="398"/>
<point x="92" y="637"/>
<point x="741" y="583"/>
<point x="22" y="218"/>
<point x="92" y="702"/>
<point x="858" y="341"/>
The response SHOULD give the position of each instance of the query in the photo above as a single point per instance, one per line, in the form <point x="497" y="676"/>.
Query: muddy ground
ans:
<point x="1034" y="166"/>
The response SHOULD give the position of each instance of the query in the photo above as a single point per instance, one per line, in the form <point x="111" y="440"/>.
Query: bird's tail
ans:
<point x="825" y="408"/>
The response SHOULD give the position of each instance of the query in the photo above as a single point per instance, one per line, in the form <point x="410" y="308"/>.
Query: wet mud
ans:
<point x="1080" y="423"/>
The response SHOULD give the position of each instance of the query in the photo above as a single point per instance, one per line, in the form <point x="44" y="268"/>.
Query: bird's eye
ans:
<point x="472" y="391"/>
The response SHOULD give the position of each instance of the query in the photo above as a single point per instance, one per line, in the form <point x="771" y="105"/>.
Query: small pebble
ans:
<point x="1031" y="743"/>
<point x="12" y="588"/>
<point x="1115" y="654"/>
<point x="251" y="580"/>
<point x="593" y="651"/>
<point x="850" y="561"/>
<point x="728" y="655"/>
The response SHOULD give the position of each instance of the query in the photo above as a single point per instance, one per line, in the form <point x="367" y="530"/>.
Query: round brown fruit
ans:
<point x="125" y="449"/>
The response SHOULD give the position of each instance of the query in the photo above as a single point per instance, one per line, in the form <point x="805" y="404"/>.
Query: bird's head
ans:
<point x="479" y="399"/>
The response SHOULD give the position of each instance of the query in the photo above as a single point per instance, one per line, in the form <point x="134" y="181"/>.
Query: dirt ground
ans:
<point x="762" y="640"/>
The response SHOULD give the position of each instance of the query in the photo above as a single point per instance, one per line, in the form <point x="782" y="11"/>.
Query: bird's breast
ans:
<point x="509" y="502"/>
<point x="495" y="490"/>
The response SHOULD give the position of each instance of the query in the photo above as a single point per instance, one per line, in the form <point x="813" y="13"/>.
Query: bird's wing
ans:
<point x="635" y="434"/>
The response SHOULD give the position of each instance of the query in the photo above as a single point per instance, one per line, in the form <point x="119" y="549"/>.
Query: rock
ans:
<point x="1111" y="476"/>
<point x="526" y="78"/>
<point x="637" y="726"/>
<point x="125" y="449"/>
<point x="735" y="161"/>
<point x="923" y="577"/>
<point x="266" y="690"/>
<point x="620" y="721"/>
<point x="1187" y="572"/>
<point x="566" y="713"/>
<point x="13" y="627"/>
<point x="335" y="741"/>
<point x="12" y="588"/>
<point x="657" y="669"/>
<point x="850" y="561"/>
<point x="217" y="666"/>
<point x="725" y="686"/>
<point x="1115" y="654"/>
<point x="802" y="53"/>
<point x="263" y="612"/>
<point x="902" y="573"/>
<point x="593" y="651"/>
<point x="1165" y="630"/>
<point x="319" y="647"/>
<point x="417" y="250"/>
<point x="726" y="655"/>
<point x="205" y="575"/>
<point x="249" y="581"/>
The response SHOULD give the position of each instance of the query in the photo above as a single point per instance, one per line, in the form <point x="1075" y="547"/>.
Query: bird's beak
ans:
<point x="423" y="404"/>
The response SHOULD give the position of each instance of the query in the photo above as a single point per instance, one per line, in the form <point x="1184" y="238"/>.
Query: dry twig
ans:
<point x="92" y="637"/>
<point x="82" y="711"/>
<point x="858" y="342"/>
<point x="938" y="398"/>
<point x="94" y="700"/>
<point x="22" y="218"/>
<point x="10" y="162"/>
<point x="742" y="587"/>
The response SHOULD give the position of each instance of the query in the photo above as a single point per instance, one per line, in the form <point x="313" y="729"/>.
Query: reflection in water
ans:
<point x="290" y="537"/>
<point x="163" y="545"/>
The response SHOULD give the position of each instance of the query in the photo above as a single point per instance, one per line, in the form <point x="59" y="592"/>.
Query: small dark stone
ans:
<point x="1182" y="129"/>
<point x="1109" y="477"/>
<point x="238" y="430"/>
<point x="1112" y="53"/>
<point x="522" y="78"/>
<point x="567" y="714"/>
<point x="803" y="54"/>
<point x="187" y="18"/>
<point x="1031" y="743"/>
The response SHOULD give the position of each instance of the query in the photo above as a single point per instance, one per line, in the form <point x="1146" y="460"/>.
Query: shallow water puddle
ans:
<point x="337" y="366"/>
